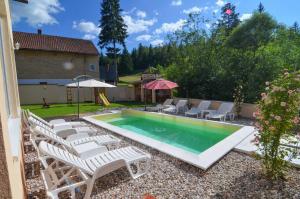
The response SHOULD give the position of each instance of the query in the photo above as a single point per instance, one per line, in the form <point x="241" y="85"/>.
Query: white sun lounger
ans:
<point x="225" y="110"/>
<point x="180" y="107"/>
<point x="58" y="122"/>
<point x="159" y="107"/>
<point x="196" y="111"/>
<point x="83" y="146"/>
<point x="86" y="170"/>
<point x="62" y="131"/>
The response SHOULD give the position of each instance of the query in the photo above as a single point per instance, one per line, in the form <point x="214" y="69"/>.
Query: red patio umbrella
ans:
<point x="160" y="84"/>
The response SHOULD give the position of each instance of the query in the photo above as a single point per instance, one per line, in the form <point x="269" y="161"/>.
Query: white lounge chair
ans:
<point x="159" y="107"/>
<point x="82" y="146"/>
<point x="196" y="111"/>
<point x="62" y="131"/>
<point x="180" y="107"/>
<point x="88" y="170"/>
<point x="58" y="122"/>
<point x="225" y="110"/>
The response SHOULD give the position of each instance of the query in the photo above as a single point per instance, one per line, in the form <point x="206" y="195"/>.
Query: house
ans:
<point x="12" y="184"/>
<point x="45" y="63"/>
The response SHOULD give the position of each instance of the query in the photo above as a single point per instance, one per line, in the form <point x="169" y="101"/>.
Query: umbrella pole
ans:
<point x="78" y="99"/>
<point x="145" y="99"/>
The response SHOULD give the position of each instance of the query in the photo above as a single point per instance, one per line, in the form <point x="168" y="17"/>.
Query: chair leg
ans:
<point x="89" y="188"/>
<point x="139" y="171"/>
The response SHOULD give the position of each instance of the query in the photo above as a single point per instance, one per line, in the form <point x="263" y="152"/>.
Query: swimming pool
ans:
<point x="191" y="140"/>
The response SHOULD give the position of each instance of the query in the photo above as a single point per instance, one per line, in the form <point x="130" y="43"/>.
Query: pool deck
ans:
<point x="248" y="147"/>
<point x="203" y="160"/>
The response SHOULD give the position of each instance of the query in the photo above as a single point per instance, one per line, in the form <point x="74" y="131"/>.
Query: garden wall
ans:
<point x="33" y="94"/>
<point x="247" y="109"/>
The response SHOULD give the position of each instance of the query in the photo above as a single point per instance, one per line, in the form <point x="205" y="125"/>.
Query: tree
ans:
<point x="113" y="30"/>
<point x="261" y="8"/>
<point x="253" y="33"/>
<point x="126" y="65"/>
<point x="295" y="27"/>
<point x="229" y="18"/>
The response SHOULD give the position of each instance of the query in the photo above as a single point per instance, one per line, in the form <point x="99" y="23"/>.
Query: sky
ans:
<point x="148" y="21"/>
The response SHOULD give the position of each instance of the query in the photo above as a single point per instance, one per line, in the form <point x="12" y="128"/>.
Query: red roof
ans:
<point x="34" y="41"/>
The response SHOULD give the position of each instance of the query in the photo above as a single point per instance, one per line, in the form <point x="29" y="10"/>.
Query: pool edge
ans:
<point x="204" y="160"/>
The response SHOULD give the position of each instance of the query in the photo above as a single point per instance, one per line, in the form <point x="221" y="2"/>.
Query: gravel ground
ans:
<point x="235" y="176"/>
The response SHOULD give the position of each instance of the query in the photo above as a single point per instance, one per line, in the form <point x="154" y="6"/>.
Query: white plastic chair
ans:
<point x="58" y="161"/>
<point x="196" y="111"/>
<point x="224" y="111"/>
<point x="82" y="146"/>
<point x="180" y="107"/>
<point x="62" y="131"/>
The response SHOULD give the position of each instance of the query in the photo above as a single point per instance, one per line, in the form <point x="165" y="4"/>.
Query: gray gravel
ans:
<point x="235" y="176"/>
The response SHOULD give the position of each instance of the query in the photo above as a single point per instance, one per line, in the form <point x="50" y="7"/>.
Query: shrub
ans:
<point x="238" y="97"/>
<point x="277" y="117"/>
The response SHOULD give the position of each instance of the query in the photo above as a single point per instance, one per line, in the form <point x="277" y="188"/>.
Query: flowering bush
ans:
<point x="238" y="97"/>
<point x="277" y="117"/>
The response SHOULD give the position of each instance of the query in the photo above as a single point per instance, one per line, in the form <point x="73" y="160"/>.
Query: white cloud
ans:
<point x="130" y="11"/>
<point x="170" y="27"/>
<point x="155" y="12"/>
<point x="137" y="25"/>
<point x="89" y="37"/>
<point x="89" y="28"/>
<point x="176" y="3"/>
<point x="141" y="14"/>
<point x="86" y="27"/>
<point x="195" y="9"/>
<point x="245" y="16"/>
<point x="157" y="42"/>
<point x="36" y="12"/>
<point x="143" y="38"/>
<point x="220" y="3"/>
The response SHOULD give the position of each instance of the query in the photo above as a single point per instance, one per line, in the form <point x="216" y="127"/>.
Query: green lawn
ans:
<point x="129" y="79"/>
<point x="56" y="110"/>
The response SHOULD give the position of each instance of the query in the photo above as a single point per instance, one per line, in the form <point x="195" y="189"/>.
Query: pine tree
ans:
<point x="261" y="8"/>
<point x="295" y="27"/>
<point x="113" y="30"/>
<point x="126" y="65"/>
<point x="229" y="18"/>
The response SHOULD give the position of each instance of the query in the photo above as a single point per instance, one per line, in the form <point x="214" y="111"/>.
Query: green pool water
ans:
<point x="192" y="135"/>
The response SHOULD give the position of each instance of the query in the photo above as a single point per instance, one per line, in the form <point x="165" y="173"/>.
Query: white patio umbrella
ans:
<point x="90" y="83"/>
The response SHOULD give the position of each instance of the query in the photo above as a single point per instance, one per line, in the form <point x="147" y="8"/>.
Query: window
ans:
<point x="4" y="71"/>
<point x="92" y="67"/>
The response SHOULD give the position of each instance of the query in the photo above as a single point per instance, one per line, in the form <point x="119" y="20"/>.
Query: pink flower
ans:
<point x="286" y="73"/>
<point x="296" y="120"/>
<point x="290" y="92"/>
<point x="263" y="96"/>
<point x="278" y="118"/>
<point x="283" y="104"/>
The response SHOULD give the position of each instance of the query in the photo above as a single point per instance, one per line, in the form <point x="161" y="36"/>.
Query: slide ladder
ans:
<point x="104" y="99"/>
<point x="69" y="95"/>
